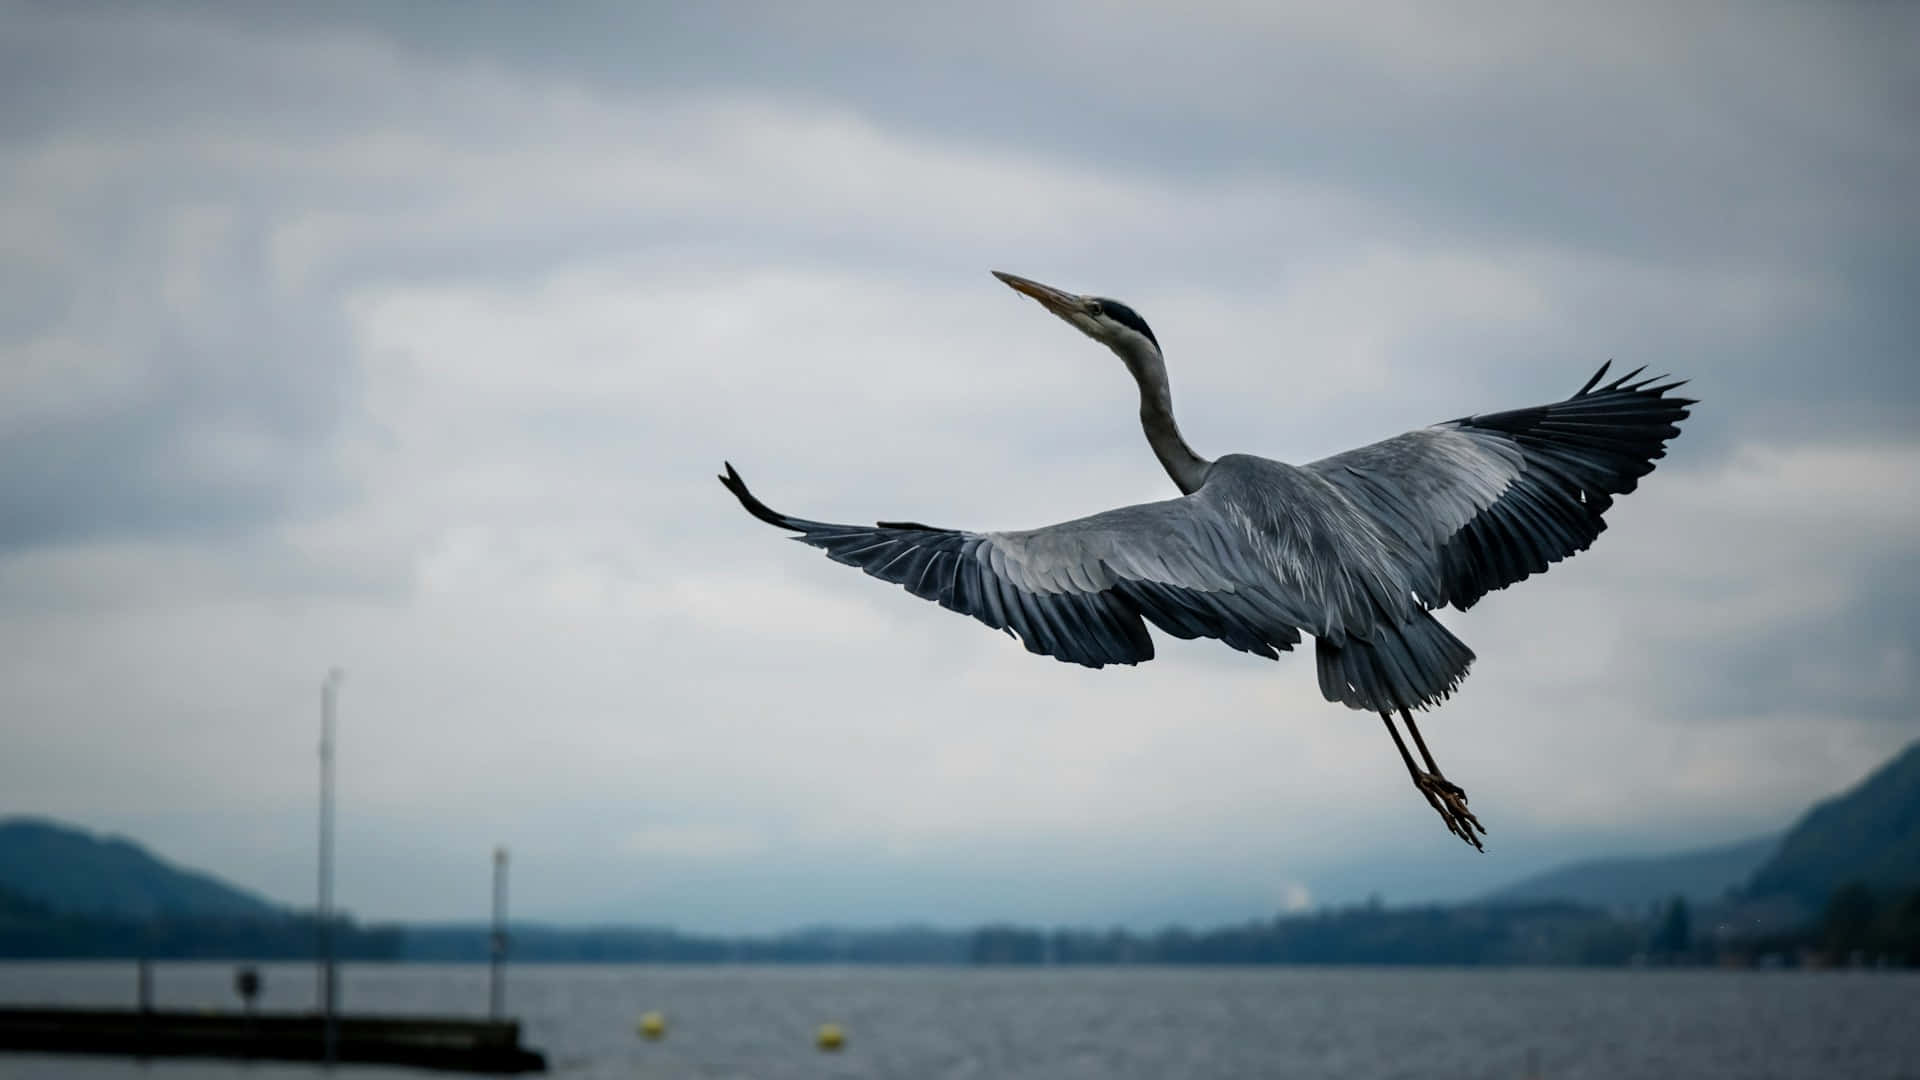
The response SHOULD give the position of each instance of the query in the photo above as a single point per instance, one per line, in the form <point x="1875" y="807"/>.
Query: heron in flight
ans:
<point x="1358" y="549"/>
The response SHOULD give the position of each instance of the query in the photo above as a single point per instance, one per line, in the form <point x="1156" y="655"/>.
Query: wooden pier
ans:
<point x="479" y="1046"/>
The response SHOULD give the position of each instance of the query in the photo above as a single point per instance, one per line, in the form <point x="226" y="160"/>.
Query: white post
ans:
<point x="329" y="972"/>
<point x="496" y="992"/>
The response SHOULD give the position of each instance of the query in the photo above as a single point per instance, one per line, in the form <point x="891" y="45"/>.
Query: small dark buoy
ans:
<point x="830" y="1037"/>
<point x="653" y="1026"/>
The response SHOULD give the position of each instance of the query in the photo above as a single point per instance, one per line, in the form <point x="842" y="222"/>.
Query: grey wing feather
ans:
<point x="1479" y="503"/>
<point x="1081" y="591"/>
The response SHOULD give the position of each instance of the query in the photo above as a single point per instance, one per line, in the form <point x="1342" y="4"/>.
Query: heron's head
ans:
<point x="1109" y="322"/>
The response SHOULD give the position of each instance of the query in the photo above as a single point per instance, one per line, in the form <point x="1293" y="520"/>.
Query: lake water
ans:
<point x="1060" y="1024"/>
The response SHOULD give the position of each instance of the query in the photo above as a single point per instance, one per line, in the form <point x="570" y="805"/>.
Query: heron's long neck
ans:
<point x="1187" y="468"/>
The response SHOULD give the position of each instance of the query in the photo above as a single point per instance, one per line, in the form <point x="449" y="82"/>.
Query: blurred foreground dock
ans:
<point x="480" y="1046"/>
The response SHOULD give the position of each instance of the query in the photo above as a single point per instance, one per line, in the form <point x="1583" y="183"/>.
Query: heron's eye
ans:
<point x="1095" y="308"/>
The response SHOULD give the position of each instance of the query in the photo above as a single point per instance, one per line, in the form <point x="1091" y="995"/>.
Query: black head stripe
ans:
<point x="1128" y="318"/>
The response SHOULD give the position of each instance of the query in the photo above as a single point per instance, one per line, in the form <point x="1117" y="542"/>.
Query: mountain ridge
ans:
<point x="1868" y="834"/>
<point x="1637" y="882"/>
<point x="71" y="871"/>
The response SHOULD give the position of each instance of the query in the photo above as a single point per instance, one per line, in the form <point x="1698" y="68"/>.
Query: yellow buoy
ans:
<point x="830" y="1037"/>
<point x="653" y="1026"/>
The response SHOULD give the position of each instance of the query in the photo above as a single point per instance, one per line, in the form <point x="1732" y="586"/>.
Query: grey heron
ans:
<point x="1358" y="549"/>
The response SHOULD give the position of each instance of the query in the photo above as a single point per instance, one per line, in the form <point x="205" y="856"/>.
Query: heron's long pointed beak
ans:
<point x="1060" y="303"/>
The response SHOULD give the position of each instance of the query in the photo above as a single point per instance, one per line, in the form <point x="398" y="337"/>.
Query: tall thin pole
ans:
<point x="495" y="991"/>
<point x="329" y="972"/>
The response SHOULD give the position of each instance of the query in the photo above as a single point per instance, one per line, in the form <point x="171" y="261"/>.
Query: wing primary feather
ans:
<point x="1595" y="381"/>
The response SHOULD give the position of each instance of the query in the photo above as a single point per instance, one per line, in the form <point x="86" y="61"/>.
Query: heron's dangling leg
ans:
<point x="1426" y="755"/>
<point x="1412" y="769"/>
<point x="1446" y="797"/>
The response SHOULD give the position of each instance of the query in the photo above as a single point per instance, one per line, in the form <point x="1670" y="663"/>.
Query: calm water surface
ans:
<point x="1094" y="1023"/>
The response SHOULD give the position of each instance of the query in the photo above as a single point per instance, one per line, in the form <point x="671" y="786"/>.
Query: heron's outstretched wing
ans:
<point x="1079" y="590"/>
<point x="1481" y="502"/>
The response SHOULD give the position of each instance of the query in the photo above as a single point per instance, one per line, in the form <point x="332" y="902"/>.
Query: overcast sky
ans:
<point x="409" y="338"/>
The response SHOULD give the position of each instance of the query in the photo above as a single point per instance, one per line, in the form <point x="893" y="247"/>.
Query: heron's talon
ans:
<point x="1449" y="800"/>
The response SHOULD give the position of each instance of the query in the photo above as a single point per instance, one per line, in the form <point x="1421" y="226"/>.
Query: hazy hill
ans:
<point x="73" y="872"/>
<point x="1635" y="883"/>
<point x="1870" y="834"/>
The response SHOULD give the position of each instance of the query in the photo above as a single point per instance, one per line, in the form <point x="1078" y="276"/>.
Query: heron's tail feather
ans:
<point x="1410" y="666"/>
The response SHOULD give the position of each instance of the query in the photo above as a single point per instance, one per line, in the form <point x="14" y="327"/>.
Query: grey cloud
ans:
<point x="1714" y="142"/>
<point x="1706" y="134"/>
<point x="1702" y="133"/>
<point x="1854" y="657"/>
<point x="225" y="401"/>
<point x="1704" y="141"/>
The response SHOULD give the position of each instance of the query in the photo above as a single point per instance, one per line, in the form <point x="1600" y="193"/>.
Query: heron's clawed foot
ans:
<point x="1449" y="800"/>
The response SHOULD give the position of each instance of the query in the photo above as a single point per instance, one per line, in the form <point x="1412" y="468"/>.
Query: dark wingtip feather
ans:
<point x="1595" y="381"/>
<point x="754" y="506"/>
<point x="1621" y="382"/>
